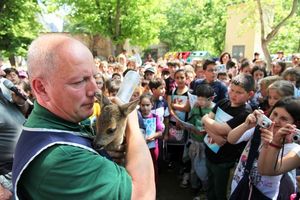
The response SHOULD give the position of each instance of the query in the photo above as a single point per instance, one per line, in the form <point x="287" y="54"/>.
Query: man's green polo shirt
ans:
<point x="70" y="172"/>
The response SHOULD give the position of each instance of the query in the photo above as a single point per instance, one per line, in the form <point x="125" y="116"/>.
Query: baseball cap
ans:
<point x="23" y="74"/>
<point x="150" y="69"/>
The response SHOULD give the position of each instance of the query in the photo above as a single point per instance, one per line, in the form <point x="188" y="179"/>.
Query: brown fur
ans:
<point x="111" y="123"/>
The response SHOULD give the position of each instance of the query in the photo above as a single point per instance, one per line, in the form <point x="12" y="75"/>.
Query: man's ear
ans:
<point x="38" y="87"/>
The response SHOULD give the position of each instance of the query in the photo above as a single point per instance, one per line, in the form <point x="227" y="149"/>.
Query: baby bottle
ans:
<point x="130" y="82"/>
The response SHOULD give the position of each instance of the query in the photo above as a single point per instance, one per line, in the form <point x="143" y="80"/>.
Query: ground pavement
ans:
<point x="169" y="185"/>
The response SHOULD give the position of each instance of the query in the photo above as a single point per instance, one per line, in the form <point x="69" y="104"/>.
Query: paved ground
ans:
<point x="168" y="186"/>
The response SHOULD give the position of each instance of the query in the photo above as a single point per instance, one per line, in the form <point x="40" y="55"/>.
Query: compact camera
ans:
<point x="263" y="121"/>
<point x="296" y="136"/>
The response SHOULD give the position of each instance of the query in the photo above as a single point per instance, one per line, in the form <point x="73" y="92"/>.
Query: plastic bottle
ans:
<point x="130" y="82"/>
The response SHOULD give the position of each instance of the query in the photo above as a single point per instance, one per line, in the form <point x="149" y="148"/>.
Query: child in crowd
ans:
<point x="231" y="69"/>
<point x="170" y="81"/>
<point x="100" y="81"/>
<point x="245" y="67"/>
<point x="199" y="71"/>
<point x="178" y="103"/>
<point x="276" y="91"/>
<point x="223" y="77"/>
<point x="136" y="93"/>
<point x="283" y="113"/>
<point x="262" y="92"/>
<point x="225" y="116"/>
<point x="153" y="128"/>
<point x="258" y="73"/>
<point x="277" y="68"/>
<point x="12" y="74"/>
<point x="103" y="67"/>
<point x="145" y="86"/>
<point x="115" y="76"/>
<point x="113" y="87"/>
<point x="190" y="76"/>
<point x="149" y="73"/>
<point x="205" y="94"/>
<point x="199" y="74"/>
<point x="160" y="105"/>
<point x="293" y="75"/>
<point x="160" y="108"/>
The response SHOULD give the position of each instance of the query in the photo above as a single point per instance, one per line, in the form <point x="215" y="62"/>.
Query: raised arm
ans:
<point x="270" y="150"/>
<point x="250" y="122"/>
<point x="139" y="164"/>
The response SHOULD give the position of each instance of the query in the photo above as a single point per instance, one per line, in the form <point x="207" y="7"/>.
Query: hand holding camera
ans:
<point x="251" y="120"/>
<point x="296" y="136"/>
<point x="263" y="121"/>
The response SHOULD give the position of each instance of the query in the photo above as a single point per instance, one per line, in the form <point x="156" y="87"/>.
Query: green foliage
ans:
<point x="18" y="25"/>
<point x="137" y="20"/>
<point x="288" y="37"/>
<point x="195" y="25"/>
<point x="201" y="25"/>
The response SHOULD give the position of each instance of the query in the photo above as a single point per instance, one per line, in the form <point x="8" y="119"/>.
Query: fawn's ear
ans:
<point x="129" y="107"/>
<point x="103" y="100"/>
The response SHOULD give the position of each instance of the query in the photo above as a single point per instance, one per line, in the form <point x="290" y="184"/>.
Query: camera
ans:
<point x="263" y="121"/>
<point x="296" y="136"/>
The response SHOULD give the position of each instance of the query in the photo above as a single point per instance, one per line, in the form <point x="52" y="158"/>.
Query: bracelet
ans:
<point x="274" y="145"/>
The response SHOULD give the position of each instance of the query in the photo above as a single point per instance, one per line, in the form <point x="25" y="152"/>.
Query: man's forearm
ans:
<point x="139" y="163"/>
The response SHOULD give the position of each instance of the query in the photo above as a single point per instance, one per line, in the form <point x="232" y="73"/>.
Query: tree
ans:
<point x="18" y="26"/>
<point x="196" y="25"/>
<point x="287" y="38"/>
<point x="137" y="20"/>
<point x="266" y="38"/>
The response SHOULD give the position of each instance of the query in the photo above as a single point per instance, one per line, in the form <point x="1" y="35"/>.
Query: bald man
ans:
<point x="54" y="158"/>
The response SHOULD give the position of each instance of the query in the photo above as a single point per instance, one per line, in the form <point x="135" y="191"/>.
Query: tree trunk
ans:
<point x="94" y="45"/>
<point x="12" y="60"/>
<point x="265" y="40"/>
<point x="266" y="52"/>
<point x="117" y="22"/>
<point x="117" y="33"/>
<point x="119" y="48"/>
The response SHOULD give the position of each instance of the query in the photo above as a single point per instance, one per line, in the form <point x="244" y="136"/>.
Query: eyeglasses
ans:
<point x="212" y="70"/>
<point x="99" y="83"/>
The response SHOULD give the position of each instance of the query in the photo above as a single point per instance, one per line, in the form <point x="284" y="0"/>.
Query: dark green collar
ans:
<point x="40" y="117"/>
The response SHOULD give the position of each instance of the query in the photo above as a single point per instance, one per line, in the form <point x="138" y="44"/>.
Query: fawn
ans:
<point x="111" y="124"/>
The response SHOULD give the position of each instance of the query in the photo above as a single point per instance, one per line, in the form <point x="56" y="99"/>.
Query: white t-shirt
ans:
<point x="297" y="150"/>
<point x="268" y="185"/>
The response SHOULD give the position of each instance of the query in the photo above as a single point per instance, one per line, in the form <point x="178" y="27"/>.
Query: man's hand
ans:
<point x="17" y="99"/>
<point x="118" y="155"/>
<point x="5" y="194"/>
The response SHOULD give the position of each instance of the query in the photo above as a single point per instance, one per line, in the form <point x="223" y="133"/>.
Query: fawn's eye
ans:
<point x="110" y="130"/>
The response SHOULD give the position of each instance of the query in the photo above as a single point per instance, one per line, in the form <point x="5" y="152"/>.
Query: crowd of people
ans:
<point x="202" y="117"/>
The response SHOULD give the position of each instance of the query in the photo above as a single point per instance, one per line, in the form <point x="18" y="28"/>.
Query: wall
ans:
<point x="241" y="31"/>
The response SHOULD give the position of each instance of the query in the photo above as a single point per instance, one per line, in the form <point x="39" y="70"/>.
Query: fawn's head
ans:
<point x="111" y="123"/>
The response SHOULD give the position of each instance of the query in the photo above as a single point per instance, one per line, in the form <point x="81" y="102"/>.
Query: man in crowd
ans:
<point x="12" y="109"/>
<point x="54" y="158"/>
